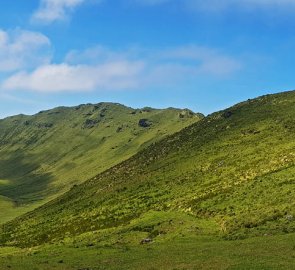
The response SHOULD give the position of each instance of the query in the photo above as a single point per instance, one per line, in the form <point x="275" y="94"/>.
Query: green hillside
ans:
<point x="235" y="166"/>
<point x="219" y="194"/>
<point x="46" y="154"/>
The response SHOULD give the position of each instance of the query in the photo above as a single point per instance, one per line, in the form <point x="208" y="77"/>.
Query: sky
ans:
<point x="201" y="55"/>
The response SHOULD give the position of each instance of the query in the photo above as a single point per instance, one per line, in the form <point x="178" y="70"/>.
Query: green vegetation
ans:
<point x="185" y="251"/>
<point x="216" y="195"/>
<point x="44" y="155"/>
<point x="179" y="242"/>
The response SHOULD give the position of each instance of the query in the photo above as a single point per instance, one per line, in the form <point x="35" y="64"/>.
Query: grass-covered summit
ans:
<point x="230" y="174"/>
<point x="44" y="155"/>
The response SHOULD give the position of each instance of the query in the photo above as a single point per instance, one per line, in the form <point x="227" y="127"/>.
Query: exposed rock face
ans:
<point x="186" y="114"/>
<point x="145" y="123"/>
<point x="146" y="241"/>
<point x="90" y="123"/>
<point x="227" y="114"/>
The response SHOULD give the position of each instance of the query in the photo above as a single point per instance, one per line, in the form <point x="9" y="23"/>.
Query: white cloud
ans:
<point x="102" y="69"/>
<point x="55" y="10"/>
<point x="64" y="77"/>
<point x="23" y="49"/>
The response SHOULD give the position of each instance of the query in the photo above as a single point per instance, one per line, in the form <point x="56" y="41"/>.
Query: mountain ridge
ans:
<point x="204" y="170"/>
<point x="102" y="103"/>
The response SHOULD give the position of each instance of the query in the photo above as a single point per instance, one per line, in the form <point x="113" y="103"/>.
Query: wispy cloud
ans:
<point x="100" y="68"/>
<point x="21" y="100"/>
<point x="21" y="49"/>
<point x="202" y="60"/>
<point x="50" y="11"/>
<point x="244" y="5"/>
<point x="54" y="10"/>
<point x="221" y="5"/>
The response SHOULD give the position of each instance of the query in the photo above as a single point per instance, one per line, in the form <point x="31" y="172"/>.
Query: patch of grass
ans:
<point x="182" y="252"/>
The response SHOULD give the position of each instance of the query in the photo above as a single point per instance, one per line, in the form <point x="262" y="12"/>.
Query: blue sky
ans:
<point x="203" y="55"/>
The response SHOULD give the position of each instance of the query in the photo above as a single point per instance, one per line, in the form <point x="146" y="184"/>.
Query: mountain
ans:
<point x="45" y="155"/>
<point x="218" y="194"/>
<point x="234" y="169"/>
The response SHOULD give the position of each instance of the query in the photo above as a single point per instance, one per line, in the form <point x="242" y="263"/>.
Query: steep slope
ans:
<point x="232" y="171"/>
<point x="46" y="154"/>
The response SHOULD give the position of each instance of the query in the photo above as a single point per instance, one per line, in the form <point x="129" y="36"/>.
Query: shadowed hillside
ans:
<point x="46" y="154"/>
<point x="231" y="174"/>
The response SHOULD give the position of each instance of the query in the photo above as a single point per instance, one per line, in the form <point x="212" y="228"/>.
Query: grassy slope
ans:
<point x="44" y="155"/>
<point x="235" y="167"/>
<point x="230" y="176"/>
